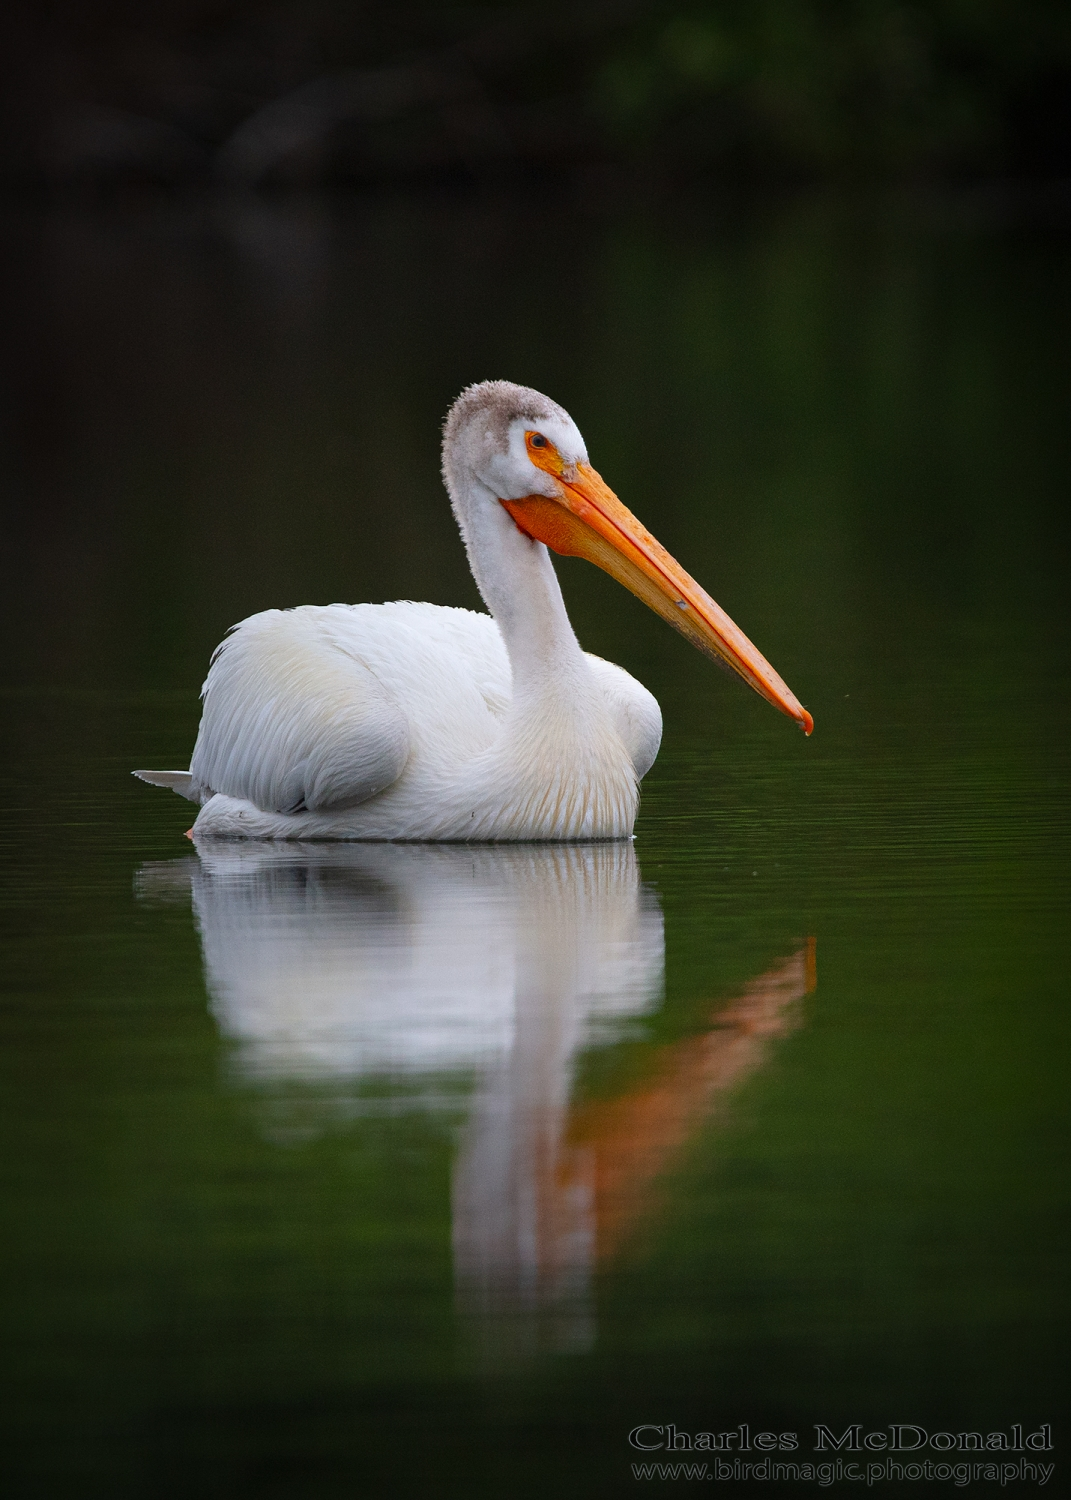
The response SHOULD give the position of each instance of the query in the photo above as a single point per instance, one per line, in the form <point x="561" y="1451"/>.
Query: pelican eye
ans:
<point x="537" y="440"/>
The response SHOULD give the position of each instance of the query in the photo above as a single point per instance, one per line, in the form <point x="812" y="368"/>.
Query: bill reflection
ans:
<point x="468" y="979"/>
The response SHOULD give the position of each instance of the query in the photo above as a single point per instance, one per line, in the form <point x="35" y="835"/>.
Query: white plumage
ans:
<point x="304" y="729"/>
<point x="413" y="721"/>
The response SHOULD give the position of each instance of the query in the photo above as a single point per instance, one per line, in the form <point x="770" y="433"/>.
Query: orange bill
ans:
<point x="588" y="520"/>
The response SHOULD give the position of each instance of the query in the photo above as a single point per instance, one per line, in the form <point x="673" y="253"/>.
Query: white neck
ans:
<point x="520" y="587"/>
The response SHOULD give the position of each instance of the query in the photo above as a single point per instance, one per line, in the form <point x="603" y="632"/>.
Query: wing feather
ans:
<point x="293" y="721"/>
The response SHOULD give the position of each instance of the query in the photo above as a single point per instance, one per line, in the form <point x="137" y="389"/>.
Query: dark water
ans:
<point x="404" y="1171"/>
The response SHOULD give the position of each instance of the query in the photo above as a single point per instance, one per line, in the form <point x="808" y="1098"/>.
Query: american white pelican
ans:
<point x="414" y="721"/>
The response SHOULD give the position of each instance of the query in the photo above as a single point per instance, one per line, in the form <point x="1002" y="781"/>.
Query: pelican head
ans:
<point x="517" y="471"/>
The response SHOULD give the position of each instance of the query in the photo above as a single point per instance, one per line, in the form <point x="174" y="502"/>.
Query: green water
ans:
<point x="302" y="1153"/>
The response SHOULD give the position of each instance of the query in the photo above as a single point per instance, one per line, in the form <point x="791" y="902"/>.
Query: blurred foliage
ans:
<point x="862" y="85"/>
<point x="317" y="91"/>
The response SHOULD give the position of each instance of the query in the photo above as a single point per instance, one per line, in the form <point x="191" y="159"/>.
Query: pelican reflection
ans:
<point x="475" y="976"/>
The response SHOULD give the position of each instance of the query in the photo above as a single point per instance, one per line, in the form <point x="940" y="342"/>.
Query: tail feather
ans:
<point x="181" y="782"/>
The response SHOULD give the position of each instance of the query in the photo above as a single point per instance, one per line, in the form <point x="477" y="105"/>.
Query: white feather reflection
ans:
<point x="398" y="958"/>
<point x="400" y="964"/>
<point x="447" y="976"/>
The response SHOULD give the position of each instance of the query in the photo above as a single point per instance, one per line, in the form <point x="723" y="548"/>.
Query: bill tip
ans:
<point x="807" y="724"/>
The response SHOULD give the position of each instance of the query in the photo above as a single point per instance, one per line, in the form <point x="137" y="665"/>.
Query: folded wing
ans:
<point x="292" y="720"/>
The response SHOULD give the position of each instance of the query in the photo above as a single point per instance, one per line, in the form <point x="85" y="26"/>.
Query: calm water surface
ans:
<point x="404" y="1170"/>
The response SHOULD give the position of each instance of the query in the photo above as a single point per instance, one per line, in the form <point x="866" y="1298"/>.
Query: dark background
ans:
<point x="302" y="92"/>
<point x="801" y="274"/>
